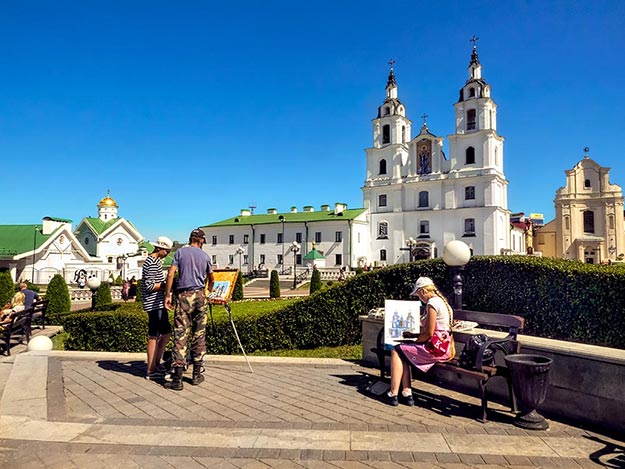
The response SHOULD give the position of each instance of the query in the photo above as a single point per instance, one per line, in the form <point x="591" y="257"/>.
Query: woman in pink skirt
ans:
<point x="433" y="344"/>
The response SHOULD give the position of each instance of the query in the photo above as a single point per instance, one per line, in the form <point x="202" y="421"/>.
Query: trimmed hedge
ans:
<point x="7" y="287"/>
<point x="558" y="299"/>
<point x="237" y="294"/>
<point x="103" y="295"/>
<point x="274" y="285"/>
<point x="315" y="281"/>
<point x="57" y="295"/>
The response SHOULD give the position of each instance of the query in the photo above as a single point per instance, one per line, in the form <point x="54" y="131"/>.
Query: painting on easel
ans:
<point x="225" y="279"/>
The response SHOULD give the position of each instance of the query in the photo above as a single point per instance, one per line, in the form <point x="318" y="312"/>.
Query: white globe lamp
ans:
<point x="40" y="343"/>
<point x="456" y="255"/>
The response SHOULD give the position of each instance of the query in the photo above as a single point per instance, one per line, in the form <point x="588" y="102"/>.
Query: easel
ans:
<point x="224" y="286"/>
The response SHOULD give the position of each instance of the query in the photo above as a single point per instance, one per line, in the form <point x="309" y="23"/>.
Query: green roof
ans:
<point x="299" y="217"/>
<point x="313" y="254"/>
<point x="167" y="260"/>
<point x="18" y="239"/>
<point x="101" y="226"/>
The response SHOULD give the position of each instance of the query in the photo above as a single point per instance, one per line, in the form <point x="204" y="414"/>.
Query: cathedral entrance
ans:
<point x="422" y="251"/>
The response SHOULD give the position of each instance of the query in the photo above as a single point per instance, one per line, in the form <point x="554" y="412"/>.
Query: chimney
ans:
<point x="271" y="211"/>
<point x="293" y="209"/>
<point x="245" y="212"/>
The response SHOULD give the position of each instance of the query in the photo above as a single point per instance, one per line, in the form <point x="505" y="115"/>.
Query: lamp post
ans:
<point x="456" y="254"/>
<point x="295" y="248"/>
<point x="240" y="252"/>
<point x="93" y="283"/>
<point x="283" y="221"/>
<point x="411" y="243"/>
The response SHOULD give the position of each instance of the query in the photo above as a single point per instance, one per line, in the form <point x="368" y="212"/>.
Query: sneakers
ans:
<point x="158" y="375"/>
<point x="390" y="400"/>
<point x="409" y="401"/>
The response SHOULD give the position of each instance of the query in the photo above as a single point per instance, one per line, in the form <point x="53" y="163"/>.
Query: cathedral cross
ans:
<point x="391" y="63"/>
<point x="474" y="40"/>
<point x="424" y="117"/>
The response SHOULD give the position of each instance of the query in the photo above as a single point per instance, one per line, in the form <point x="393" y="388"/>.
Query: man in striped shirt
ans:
<point x="153" y="293"/>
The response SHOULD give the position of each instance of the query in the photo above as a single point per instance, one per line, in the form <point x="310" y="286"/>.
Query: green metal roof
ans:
<point x="101" y="226"/>
<point x="313" y="254"/>
<point x="167" y="260"/>
<point x="18" y="239"/>
<point x="299" y="217"/>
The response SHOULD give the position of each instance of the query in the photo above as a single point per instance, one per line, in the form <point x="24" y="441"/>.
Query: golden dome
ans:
<point x="108" y="201"/>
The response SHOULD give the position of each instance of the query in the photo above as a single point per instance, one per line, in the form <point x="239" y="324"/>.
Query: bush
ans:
<point x="103" y="295"/>
<point x="29" y="285"/>
<point x="315" y="281"/>
<point x="139" y="297"/>
<point x="237" y="294"/>
<point x="119" y="281"/>
<point x="7" y="287"/>
<point x="274" y="285"/>
<point x="57" y="295"/>
<point x="119" y="330"/>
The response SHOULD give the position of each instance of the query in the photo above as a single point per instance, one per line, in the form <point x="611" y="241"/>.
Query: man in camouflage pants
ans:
<point x="195" y="274"/>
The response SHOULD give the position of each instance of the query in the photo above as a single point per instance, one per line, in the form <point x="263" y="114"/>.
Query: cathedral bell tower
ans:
<point x="391" y="125"/>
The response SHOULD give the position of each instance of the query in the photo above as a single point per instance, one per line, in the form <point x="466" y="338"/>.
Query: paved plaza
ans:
<point x="91" y="410"/>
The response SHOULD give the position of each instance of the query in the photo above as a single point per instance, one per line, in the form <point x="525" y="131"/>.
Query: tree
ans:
<point x="7" y="287"/>
<point x="103" y="295"/>
<point x="58" y="295"/>
<point x="274" y="285"/>
<point x="237" y="294"/>
<point x="315" y="281"/>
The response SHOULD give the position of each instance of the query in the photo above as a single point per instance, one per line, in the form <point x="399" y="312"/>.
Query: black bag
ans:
<point x="471" y="348"/>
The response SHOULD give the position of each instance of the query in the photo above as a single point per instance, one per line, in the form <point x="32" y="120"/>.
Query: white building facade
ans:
<point x="418" y="199"/>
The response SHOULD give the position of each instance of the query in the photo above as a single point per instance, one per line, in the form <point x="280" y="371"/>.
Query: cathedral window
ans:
<point x="382" y="200"/>
<point x="424" y="228"/>
<point x="567" y="223"/>
<point x="469" y="193"/>
<point x="471" y="114"/>
<point x="424" y="199"/>
<point x="470" y="155"/>
<point x="589" y="221"/>
<point x="387" y="111"/>
<point x="469" y="227"/>
<point x="471" y="92"/>
<point x="382" y="167"/>
<point x="386" y="134"/>
<point x="383" y="230"/>
<point x="611" y="222"/>
<point x="586" y="183"/>
<point x="383" y="254"/>
<point x="403" y="134"/>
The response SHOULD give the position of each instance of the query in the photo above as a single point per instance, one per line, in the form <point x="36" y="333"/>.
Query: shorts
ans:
<point x="158" y="323"/>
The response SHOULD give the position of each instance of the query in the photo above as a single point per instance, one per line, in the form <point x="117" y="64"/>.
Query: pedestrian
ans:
<point x="132" y="291"/>
<point x="433" y="344"/>
<point x="342" y="274"/>
<point x="195" y="278"/>
<point x="153" y="293"/>
<point x="30" y="296"/>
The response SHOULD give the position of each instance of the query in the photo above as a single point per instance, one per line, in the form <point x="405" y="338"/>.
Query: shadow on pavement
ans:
<point x="440" y="404"/>
<point x="135" y="368"/>
<point x="611" y="455"/>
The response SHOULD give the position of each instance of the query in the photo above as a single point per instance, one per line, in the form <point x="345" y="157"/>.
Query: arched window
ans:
<point x="587" y="183"/>
<point x="382" y="167"/>
<point x="471" y="114"/>
<point x="567" y="223"/>
<point x="471" y="92"/>
<point x="611" y="222"/>
<point x="424" y="199"/>
<point x="386" y="134"/>
<point x="382" y="230"/>
<point x="589" y="221"/>
<point x="387" y="111"/>
<point x="403" y="134"/>
<point x="383" y="254"/>
<point x="382" y="200"/>
<point x="470" y="155"/>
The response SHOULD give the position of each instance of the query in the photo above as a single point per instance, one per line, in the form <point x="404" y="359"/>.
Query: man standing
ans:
<point x="29" y="296"/>
<point x="195" y="274"/>
<point x="153" y="294"/>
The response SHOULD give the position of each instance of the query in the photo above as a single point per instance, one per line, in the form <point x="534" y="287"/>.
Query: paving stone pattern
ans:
<point x="279" y="416"/>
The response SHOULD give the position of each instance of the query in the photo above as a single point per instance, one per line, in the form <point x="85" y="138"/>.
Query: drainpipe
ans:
<point x="349" y="233"/>
<point x="249" y="269"/>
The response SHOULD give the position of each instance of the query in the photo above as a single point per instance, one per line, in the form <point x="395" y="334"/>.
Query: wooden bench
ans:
<point x="482" y="374"/>
<point x="39" y="313"/>
<point x="16" y="330"/>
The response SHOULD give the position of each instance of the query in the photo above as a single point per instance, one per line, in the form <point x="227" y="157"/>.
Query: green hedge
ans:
<point x="558" y="299"/>
<point x="7" y="288"/>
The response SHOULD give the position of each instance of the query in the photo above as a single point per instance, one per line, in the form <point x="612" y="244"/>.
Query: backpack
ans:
<point x="471" y="348"/>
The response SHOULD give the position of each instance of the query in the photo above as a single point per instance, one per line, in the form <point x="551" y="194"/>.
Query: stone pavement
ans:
<point x="91" y="410"/>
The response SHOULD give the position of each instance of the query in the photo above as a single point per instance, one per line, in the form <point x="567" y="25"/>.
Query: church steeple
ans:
<point x="475" y="68"/>
<point x="391" y="84"/>
<point x="391" y="125"/>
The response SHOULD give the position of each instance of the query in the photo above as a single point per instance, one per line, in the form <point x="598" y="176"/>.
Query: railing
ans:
<point x="84" y="294"/>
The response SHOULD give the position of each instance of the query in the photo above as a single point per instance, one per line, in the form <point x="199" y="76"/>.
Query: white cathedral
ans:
<point x="416" y="199"/>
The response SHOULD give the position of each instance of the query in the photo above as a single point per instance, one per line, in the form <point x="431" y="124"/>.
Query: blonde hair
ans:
<point x="18" y="299"/>
<point x="436" y="291"/>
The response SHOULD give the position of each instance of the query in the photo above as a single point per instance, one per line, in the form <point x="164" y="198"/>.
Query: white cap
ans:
<point x="420" y="283"/>
<point x="163" y="242"/>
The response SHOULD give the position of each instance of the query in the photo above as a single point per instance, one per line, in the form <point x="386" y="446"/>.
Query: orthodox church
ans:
<point x="415" y="198"/>
<point x="104" y="246"/>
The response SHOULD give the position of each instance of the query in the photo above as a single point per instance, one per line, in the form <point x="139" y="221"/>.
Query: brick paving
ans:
<point x="101" y="412"/>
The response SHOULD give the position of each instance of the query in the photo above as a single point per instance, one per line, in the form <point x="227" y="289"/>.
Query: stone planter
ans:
<point x="529" y="381"/>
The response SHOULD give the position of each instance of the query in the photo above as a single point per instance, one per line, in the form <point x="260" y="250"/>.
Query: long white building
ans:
<point x="415" y="198"/>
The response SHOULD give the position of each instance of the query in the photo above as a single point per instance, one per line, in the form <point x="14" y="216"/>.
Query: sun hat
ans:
<point x="420" y="283"/>
<point x="163" y="242"/>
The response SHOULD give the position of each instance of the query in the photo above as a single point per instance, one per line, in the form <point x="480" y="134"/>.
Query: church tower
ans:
<point x="107" y="208"/>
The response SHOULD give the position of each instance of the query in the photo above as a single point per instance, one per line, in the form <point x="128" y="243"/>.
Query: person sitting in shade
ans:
<point x="15" y="306"/>
<point x="30" y="296"/>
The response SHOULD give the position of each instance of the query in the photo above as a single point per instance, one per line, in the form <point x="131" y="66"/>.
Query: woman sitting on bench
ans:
<point x="433" y="344"/>
<point x="15" y="306"/>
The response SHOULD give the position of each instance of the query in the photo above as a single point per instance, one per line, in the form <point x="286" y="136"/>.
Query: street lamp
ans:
<point x="411" y="243"/>
<point x="93" y="283"/>
<point x="283" y="221"/>
<point x="240" y="252"/>
<point x="456" y="254"/>
<point x="294" y="248"/>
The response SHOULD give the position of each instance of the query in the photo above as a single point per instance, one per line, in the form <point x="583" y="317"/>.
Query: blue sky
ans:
<point x="189" y="111"/>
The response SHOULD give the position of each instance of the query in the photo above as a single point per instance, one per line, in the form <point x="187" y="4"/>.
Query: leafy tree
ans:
<point x="237" y="294"/>
<point x="58" y="295"/>
<point x="103" y="295"/>
<point x="315" y="281"/>
<point x="274" y="285"/>
<point x="7" y="287"/>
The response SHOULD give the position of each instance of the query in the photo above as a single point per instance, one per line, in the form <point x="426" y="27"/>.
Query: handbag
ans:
<point x="468" y="356"/>
<point x="439" y="343"/>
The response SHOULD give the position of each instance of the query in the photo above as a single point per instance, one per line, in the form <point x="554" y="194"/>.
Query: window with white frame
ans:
<point x="383" y="254"/>
<point x="317" y="236"/>
<point x="469" y="193"/>
<point x="214" y="259"/>
<point x="214" y="240"/>
<point x="230" y="259"/>
<point x="338" y="259"/>
<point x="280" y="238"/>
<point x="424" y="199"/>
<point x="383" y="230"/>
<point x="382" y="200"/>
<point x="469" y="226"/>
<point x="424" y="228"/>
<point x="246" y="239"/>
<point x="338" y="236"/>
<point x="280" y="259"/>
<point x="230" y="239"/>
<point x="298" y="237"/>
